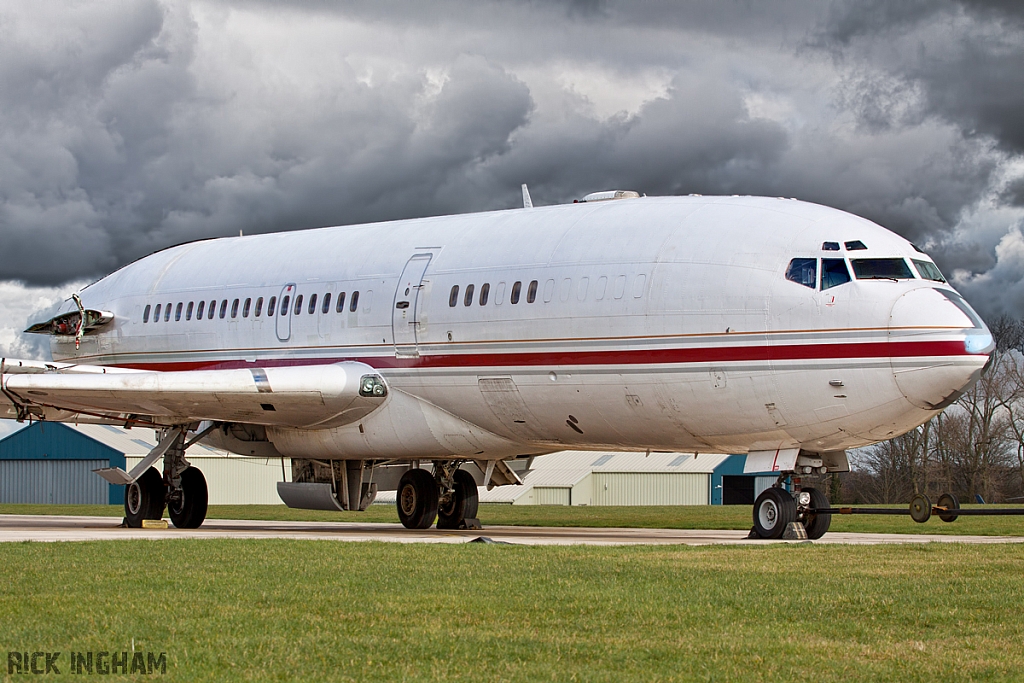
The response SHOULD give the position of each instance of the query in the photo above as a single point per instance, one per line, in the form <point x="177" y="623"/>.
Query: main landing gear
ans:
<point x="776" y="508"/>
<point x="182" y="489"/>
<point x="449" y="495"/>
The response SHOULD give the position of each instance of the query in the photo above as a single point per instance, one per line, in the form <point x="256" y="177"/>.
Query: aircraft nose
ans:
<point x="939" y="346"/>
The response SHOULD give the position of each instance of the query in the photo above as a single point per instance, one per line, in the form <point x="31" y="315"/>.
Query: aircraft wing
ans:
<point x="307" y="396"/>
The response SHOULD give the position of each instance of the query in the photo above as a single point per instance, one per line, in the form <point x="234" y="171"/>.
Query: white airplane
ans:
<point x="785" y="330"/>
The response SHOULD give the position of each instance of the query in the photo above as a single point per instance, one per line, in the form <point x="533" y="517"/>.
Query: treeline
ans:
<point x="974" y="448"/>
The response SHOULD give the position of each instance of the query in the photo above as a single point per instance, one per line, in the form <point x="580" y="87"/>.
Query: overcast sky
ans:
<point x="126" y="127"/>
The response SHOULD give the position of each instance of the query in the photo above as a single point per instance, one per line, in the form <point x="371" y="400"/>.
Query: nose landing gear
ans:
<point x="776" y="508"/>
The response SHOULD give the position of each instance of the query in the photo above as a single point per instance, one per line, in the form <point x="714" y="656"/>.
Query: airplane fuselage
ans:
<point x="672" y="323"/>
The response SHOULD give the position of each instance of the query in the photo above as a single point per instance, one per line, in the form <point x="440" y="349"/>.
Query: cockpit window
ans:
<point x="833" y="273"/>
<point x="881" y="269"/>
<point x="855" y="245"/>
<point x="928" y="270"/>
<point x="830" y="246"/>
<point x="803" y="271"/>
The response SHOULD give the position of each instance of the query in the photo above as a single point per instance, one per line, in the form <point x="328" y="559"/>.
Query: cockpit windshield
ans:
<point x="929" y="271"/>
<point x="881" y="269"/>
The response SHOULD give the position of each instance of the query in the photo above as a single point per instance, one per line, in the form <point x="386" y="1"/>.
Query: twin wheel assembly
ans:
<point x="449" y="495"/>
<point x="186" y="504"/>
<point x="776" y="508"/>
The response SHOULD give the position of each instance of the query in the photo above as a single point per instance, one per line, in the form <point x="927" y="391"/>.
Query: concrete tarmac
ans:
<point x="15" y="528"/>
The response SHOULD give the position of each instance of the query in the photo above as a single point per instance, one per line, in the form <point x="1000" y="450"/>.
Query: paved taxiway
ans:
<point x="15" y="528"/>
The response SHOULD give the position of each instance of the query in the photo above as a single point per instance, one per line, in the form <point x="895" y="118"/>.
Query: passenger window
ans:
<point x="145" y="313"/>
<point x="312" y="304"/>
<point x="833" y="273"/>
<point x="499" y="293"/>
<point x="156" y="313"/>
<point x="285" y="300"/>
<point x="188" y="311"/>
<point x="200" y="310"/>
<point x="549" y="290"/>
<point x="485" y="289"/>
<point x="638" y="285"/>
<point x="245" y="308"/>
<point x="830" y="246"/>
<point x="855" y="245"/>
<point x="271" y="305"/>
<point x="513" y="298"/>
<point x="177" y="311"/>
<point x="468" y="301"/>
<point x="531" y="292"/>
<point x="167" y="311"/>
<point x="213" y="307"/>
<point x="620" y="287"/>
<point x="602" y="285"/>
<point x="881" y="269"/>
<point x="327" y="303"/>
<point x="453" y="297"/>
<point x="298" y="304"/>
<point x="341" y="302"/>
<point x="803" y="271"/>
<point x="223" y="309"/>
<point x="928" y="271"/>
<point x="234" y="308"/>
<point x="354" y="303"/>
<point x="259" y="307"/>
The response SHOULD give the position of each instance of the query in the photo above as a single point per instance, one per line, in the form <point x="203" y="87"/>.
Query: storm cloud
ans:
<point x="128" y="127"/>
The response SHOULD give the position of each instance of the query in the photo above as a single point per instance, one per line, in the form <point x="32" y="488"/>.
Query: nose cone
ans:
<point x="939" y="346"/>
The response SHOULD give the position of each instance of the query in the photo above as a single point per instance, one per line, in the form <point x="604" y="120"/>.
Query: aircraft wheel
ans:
<point x="144" y="498"/>
<point x="817" y="524"/>
<point x="464" y="502"/>
<point x="950" y="502"/>
<point x="417" y="499"/>
<point x="189" y="511"/>
<point x="774" y="509"/>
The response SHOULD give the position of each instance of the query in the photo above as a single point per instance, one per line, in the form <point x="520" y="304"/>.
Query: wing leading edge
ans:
<point x="319" y="396"/>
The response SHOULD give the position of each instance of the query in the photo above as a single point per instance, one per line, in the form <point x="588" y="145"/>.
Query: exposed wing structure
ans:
<point x="307" y="396"/>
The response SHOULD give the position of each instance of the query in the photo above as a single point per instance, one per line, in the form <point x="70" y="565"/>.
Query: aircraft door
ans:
<point x="283" y="314"/>
<point x="406" y="313"/>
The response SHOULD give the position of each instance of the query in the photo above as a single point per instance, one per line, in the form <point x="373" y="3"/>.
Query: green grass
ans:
<point x="667" y="517"/>
<point x="320" y="610"/>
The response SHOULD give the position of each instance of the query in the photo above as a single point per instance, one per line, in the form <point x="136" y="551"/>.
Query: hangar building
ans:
<point x="52" y="463"/>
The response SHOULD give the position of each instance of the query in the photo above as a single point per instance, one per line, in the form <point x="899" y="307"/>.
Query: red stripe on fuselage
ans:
<point x="710" y="354"/>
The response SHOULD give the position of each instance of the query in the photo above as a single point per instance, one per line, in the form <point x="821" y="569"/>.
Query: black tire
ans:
<point x="464" y="503"/>
<point x="950" y="502"/>
<point x="144" y="498"/>
<point x="774" y="509"/>
<point x="817" y="524"/>
<point x="190" y="511"/>
<point x="417" y="499"/>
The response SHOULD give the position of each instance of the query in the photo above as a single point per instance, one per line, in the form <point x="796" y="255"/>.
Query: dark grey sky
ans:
<point x="126" y="127"/>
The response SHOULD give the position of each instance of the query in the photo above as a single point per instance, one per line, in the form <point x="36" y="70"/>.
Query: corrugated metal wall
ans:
<point x="238" y="481"/>
<point x="54" y="482"/>
<point x="762" y="483"/>
<point x="551" y="495"/>
<point x="651" y="488"/>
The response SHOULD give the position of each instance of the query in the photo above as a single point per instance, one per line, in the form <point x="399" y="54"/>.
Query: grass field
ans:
<point x="676" y="517"/>
<point x="314" y="610"/>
